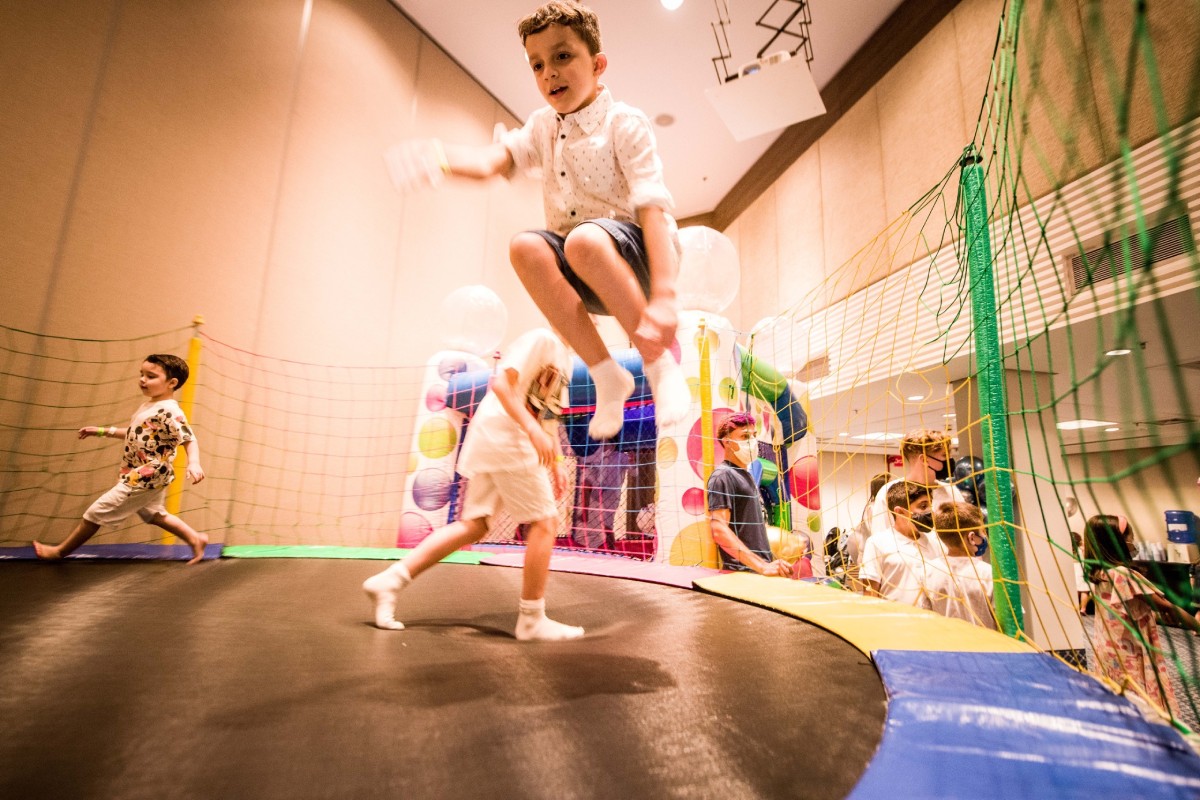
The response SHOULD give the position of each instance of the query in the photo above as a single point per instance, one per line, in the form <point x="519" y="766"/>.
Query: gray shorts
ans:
<point x="630" y="245"/>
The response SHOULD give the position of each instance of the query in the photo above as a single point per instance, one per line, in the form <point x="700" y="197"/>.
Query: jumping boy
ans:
<point x="511" y="443"/>
<point x="611" y="246"/>
<point x="156" y="429"/>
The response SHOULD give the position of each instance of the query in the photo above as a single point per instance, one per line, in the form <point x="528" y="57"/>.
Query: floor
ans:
<point x="262" y="678"/>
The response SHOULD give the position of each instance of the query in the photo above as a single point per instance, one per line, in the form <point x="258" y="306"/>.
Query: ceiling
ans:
<point x="661" y="62"/>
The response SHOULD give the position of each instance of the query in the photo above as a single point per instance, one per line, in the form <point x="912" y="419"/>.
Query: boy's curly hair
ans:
<point x="923" y="442"/>
<point x="569" y="14"/>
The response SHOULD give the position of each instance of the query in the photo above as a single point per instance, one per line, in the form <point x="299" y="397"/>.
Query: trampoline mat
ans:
<point x="262" y="678"/>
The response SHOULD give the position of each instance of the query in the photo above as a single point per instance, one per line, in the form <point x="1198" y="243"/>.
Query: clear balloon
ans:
<point x="709" y="272"/>
<point x="474" y="319"/>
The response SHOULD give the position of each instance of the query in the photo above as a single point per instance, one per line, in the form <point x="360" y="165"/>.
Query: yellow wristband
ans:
<point x="440" y="151"/>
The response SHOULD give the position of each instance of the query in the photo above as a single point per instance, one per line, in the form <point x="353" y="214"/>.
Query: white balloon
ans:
<point x="708" y="270"/>
<point x="474" y="319"/>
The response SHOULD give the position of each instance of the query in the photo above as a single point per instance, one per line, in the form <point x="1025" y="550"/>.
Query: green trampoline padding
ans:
<point x="322" y="551"/>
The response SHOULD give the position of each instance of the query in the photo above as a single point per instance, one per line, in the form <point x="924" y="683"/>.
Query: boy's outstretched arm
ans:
<point x="656" y="330"/>
<point x="419" y="164"/>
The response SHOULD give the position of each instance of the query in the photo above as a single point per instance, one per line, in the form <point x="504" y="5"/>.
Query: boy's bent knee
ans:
<point x="529" y="248"/>
<point x="588" y="241"/>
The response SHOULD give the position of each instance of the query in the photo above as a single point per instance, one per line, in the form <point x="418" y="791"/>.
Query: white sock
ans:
<point x="614" y="384"/>
<point x="382" y="589"/>
<point x="534" y="626"/>
<point x="671" y="394"/>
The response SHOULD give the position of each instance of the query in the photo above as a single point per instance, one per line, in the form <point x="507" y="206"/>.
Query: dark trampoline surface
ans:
<point x="263" y="679"/>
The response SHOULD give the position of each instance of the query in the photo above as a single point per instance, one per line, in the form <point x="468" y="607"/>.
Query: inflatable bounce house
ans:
<point x="724" y="376"/>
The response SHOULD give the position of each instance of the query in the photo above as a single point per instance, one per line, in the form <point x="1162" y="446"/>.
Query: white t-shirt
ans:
<point x="898" y="563"/>
<point x="494" y="441"/>
<point x="960" y="587"/>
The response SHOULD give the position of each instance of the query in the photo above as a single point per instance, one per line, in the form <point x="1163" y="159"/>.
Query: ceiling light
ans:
<point x="951" y="415"/>
<point x="671" y="5"/>
<point x="915" y="398"/>
<point x="1112" y="429"/>
<point x="880" y="436"/>
<point x="1081" y="424"/>
<point x="1117" y="352"/>
<point x="843" y="433"/>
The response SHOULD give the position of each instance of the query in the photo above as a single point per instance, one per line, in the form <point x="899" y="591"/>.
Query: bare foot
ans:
<point x="198" y="547"/>
<point x="46" y="552"/>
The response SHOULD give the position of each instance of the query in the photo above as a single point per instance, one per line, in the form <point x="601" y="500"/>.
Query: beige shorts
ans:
<point x="527" y="496"/>
<point x="120" y="502"/>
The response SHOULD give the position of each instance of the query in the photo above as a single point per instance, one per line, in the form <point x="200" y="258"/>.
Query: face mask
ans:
<point x="923" y="521"/>
<point x="978" y="544"/>
<point x="745" y="451"/>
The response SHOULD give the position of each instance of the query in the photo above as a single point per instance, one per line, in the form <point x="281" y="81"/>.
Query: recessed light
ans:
<point x="1081" y="424"/>
<point x="915" y="398"/>
<point x="1111" y="430"/>
<point x="671" y="5"/>
<point x="1117" y="352"/>
<point x="951" y="415"/>
<point x="843" y="433"/>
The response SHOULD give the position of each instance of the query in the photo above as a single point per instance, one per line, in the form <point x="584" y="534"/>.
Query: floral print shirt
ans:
<point x="156" y="429"/>
<point x="1131" y="657"/>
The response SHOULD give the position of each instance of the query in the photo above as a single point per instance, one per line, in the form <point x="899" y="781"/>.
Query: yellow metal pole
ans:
<point x="187" y="401"/>
<point x="707" y="443"/>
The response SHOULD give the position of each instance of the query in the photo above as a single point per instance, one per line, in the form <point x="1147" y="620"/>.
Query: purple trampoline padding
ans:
<point x="119" y="552"/>
<point x="1005" y="725"/>
<point x="611" y="567"/>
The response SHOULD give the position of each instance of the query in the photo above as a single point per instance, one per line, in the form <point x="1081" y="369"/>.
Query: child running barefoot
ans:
<point x="1126" y="638"/>
<point x="511" y="456"/>
<point x="610" y="246"/>
<point x="156" y="429"/>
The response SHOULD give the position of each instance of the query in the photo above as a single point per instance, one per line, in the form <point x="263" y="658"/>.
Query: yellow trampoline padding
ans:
<point x="868" y="623"/>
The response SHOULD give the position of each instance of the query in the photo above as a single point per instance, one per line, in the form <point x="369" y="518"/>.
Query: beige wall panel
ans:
<point x="178" y="180"/>
<point x="734" y="233"/>
<point x="976" y="23"/>
<point x="800" y="221"/>
<point x="851" y="157"/>
<point x="1059" y="139"/>
<point x="1174" y="32"/>
<point x="758" y="250"/>
<point x="443" y="232"/>
<point x="50" y="55"/>
<point x="327" y="294"/>
<point x="920" y="119"/>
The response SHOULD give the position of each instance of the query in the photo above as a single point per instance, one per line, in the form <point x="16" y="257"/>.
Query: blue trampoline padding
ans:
<point x="120" y="552"/>
<point x="1005" y="725"/>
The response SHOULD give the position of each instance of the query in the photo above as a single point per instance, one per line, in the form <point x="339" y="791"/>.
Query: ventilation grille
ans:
<point x="1103" y="260"/>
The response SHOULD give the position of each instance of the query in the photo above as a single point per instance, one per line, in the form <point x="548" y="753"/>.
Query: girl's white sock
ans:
<point x="382" y="589"/>
<point x="534" y="626"/>
<point x="614" y="384"/>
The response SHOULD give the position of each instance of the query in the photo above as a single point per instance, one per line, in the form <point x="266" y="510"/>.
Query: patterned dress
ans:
<point x="1120" y="651"/>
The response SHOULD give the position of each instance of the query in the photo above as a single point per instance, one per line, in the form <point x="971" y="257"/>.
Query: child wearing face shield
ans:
<point x="511" y="456"/>
<point x="734" y="506"/>
<point x="960" y="585"/>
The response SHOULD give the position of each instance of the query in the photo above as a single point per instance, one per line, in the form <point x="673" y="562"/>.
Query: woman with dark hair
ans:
<point x="1126" y="639"/>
